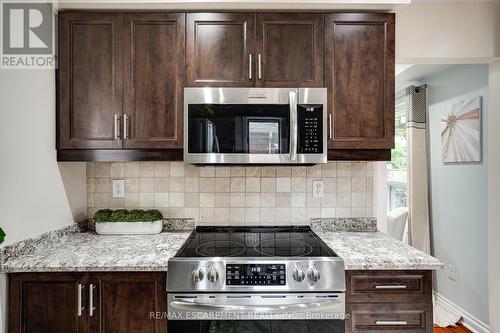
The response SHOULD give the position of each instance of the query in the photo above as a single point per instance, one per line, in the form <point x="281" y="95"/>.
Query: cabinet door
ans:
<point x="129" y="303"/>
<point x="46" y="302"/>
<point x="360" y="80"/>
<point x="220" y="49"/>
<point x="90" y="80"/>
<point x="290" y="46"/>
<point x="153" y="80"/>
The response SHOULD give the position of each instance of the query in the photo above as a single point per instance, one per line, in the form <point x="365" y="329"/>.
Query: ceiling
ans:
<point x="411" y="74"/>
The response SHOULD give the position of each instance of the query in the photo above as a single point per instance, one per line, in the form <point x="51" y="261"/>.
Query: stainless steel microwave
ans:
<point x="255" y="125"/>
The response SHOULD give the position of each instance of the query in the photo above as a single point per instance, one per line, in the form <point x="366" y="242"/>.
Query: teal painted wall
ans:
<point x="459" y="196"/>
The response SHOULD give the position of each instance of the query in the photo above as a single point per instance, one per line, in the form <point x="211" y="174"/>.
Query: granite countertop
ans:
<point x="69" y="250"/>
<point x="376" y="251"/>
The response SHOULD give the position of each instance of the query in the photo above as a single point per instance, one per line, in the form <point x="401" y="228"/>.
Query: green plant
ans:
<point x="398" y="158"/>
<point x="123" y="215"/>
<point x="102" y="215"/>
<point x="135" y="215"/>
<point x="152" y="215"/>
<point x="2" y="235"/>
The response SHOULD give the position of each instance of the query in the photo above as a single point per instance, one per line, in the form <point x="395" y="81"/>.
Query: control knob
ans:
<point x="298" y="274"/>
<point x="313" y="274"/>
<point x="212" y="275"/>
<point x="197" y="274"/>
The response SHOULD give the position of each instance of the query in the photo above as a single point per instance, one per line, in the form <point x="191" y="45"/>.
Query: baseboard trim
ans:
<point x="468" y="320"/>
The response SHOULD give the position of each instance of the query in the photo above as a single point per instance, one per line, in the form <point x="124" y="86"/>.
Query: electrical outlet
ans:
<point x="118" y="188"/>
<point x="451" y="272"/>
<point x="317" y="189"/>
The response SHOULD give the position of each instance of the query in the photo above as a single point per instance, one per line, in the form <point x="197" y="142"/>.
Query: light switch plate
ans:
<point x="317" y="190"/>
<point x="118" y="188"/>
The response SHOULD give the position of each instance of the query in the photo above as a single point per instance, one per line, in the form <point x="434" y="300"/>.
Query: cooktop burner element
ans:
<point x="279" y="248"/>
<point x="220" y="248"/>
<point x="254" y="242"/>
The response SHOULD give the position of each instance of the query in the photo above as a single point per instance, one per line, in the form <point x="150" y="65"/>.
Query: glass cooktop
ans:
<point x="254" y="242"/>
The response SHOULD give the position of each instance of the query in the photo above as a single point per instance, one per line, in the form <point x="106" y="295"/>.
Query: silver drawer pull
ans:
<point x="79" y="300"/>
<point x="390" y="286"/>
<point x="391" y="322"/>
<point x="91" y="300"/>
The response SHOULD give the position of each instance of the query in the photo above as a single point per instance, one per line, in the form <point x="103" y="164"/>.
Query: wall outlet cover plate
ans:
<point x="118" y="188"/>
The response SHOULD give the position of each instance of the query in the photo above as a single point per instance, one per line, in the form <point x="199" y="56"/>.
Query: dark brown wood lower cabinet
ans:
<point x="389" y="301"/>
<point x="120" y="302"/>
<point x="45" y="302"/>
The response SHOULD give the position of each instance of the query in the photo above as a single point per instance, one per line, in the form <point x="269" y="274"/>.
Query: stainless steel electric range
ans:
<point x="256" y="279"/>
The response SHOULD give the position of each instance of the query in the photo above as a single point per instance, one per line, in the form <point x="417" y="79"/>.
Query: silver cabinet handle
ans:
<point x="330" y="126"/>
<point x="91" y="300"/>
<point x="116" y="127"/>
<point x="391" y="322"/>
<point x="125" y="133"/>
<point x="390" y="286"/>
<point x="259" y="66"/>
<point x="250" y="66"/>
<point x="293" y="125"/>
<point x="79" y="300"/>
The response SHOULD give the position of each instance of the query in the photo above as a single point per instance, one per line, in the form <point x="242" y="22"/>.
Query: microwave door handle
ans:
<point x="293" y="125"/>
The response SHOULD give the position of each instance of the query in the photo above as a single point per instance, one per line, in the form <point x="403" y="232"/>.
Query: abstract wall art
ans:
<point x="461" y="132"/>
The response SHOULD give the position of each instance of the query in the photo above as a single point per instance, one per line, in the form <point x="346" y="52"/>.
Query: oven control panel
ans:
<point x="256" y="274"/>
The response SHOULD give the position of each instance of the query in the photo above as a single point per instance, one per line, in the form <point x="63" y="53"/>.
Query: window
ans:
<point x="396" y="168"/>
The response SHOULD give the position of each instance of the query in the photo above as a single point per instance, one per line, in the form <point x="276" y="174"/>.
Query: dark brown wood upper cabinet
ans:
<point x="360" y="80"/>
<point x="90" y="80"/>
<point x="45" y="302"/>
<point x="290" y="46"/>
<point x="220" y="49"/>
<point x="153" y="72"/>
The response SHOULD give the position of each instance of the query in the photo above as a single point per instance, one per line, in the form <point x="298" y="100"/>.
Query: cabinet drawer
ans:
<point x="389" y="286"/>
<point x="396" y="317"/>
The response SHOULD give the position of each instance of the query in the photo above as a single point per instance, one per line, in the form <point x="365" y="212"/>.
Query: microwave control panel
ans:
<point x="310" y="129"/>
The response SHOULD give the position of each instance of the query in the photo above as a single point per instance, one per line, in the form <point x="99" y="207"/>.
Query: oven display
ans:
<point x="255" y="275"/>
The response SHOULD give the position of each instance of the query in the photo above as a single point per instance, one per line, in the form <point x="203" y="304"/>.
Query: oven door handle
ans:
<point x="310" y="306"/>
<point x="292" y="96"/>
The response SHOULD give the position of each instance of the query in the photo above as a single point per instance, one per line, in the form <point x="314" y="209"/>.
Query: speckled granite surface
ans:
<point x="375" y="250"/>
<point x="88" y="251"/>
<point x="345" y="224"/>
<point x="69" y="249"/>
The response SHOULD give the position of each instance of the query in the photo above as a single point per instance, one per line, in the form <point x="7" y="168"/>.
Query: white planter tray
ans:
<point x="129" y="228"/>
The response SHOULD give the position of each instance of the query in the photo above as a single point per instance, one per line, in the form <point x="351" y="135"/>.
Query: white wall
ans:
<point x="36" y="193"/>
<point x="445" y="32"/>
<point x="459" y="195"/>
<point x="494" y="197"/>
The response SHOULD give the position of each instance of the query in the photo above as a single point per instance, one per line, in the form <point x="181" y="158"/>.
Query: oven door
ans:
<point x="279" y="312"/>
<point x="252" y="125"/>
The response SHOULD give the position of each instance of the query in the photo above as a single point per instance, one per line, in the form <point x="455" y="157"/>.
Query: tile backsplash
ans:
<point x="234" y="195"/>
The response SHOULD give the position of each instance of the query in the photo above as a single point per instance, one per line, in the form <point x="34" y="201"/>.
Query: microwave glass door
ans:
<point x="238" y="128"/>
